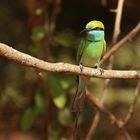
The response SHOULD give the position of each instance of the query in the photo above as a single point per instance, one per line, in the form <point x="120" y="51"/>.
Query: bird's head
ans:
<point x="94" y="26"/>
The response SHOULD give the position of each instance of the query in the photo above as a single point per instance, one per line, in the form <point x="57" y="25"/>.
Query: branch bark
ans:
<point x="30" y="61"/>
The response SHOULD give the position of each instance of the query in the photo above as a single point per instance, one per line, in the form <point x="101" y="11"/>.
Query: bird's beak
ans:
<point x="84" y="31"/>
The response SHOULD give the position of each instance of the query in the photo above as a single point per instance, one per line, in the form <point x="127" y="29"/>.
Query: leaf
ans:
<point x="64" y="117"/>
<point x="39" y="100"/>
<point x="35" y="49"/>
<point x="28" y="117"/>
<point x="57" y="90"/>
<point x="38" y="33"/>
<point x="60" y="101"/>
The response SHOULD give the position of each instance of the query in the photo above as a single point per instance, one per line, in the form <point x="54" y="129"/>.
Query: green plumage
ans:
<point x="90" y="51"/>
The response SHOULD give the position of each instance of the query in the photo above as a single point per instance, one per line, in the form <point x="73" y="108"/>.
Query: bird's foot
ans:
<point x="101" y="70"/>
<point x="81" y="67"/>
<point x="98" y="67"/>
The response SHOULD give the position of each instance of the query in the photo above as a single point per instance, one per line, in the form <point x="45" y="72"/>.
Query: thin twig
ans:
<point x="93" y="126"/>
<point x="132" y="105"/>
<point x="96" y="118"/>
<point x="126" y="134"/>
<point x="96" y="102"/>
<point x="121" y="43"/>
<point x="54" y="15"/>
<point x="113" y="120"/>
<point x="118" y="19"/>
<point x="30" y="61"/>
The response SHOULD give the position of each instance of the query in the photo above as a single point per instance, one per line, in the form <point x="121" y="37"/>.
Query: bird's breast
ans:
<point x="92" y="53"/>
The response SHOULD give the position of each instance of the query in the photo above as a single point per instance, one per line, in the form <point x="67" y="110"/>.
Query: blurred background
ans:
<point x="35" y="105"/>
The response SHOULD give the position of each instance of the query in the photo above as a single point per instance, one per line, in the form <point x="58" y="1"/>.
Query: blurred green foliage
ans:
<point x="35" y="101"/>
<point x="58" y="93"/>
<point x="32" y="111"/>
<point x="38" y="33"/>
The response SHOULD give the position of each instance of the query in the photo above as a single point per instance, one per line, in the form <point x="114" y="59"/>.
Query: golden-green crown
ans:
<point x="95" y="24"/>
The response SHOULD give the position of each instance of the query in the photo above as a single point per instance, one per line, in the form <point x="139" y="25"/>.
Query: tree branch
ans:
<point x="118" y="19"/>
<point x="117" y="122"/>
<point x="30" y="61"/>
<point x="121" y="43"/>
<point x="132" y="105"/>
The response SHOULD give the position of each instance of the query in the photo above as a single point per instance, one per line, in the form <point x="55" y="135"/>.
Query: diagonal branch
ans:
<point x="30" y="61"/>
<point x="121" y="43"/>
<point x="132" y="105"/>
<point x="118" y="123"/>
<point x="96" y="102"/>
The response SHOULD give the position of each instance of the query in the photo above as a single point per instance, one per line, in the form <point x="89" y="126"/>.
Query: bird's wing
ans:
<point x="104" y="48"/>
<point x="80" y="50"/>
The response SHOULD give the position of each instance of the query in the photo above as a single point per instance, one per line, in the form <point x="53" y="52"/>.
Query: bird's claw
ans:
<point x="81" y="67"/>
<point x="98" y="67"/>
<point x="101" y="70"/>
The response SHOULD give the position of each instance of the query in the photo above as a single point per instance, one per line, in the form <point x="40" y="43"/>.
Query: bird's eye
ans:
<point x="98" y="29"/>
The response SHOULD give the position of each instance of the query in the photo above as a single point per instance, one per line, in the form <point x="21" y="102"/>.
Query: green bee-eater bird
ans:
<point x="91" y="49"/>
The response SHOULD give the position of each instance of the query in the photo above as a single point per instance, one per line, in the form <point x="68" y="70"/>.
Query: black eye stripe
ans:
<point x="97" y="29"/>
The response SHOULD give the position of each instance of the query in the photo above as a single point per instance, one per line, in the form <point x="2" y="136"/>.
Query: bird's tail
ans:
<point x="78" y="100"/>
